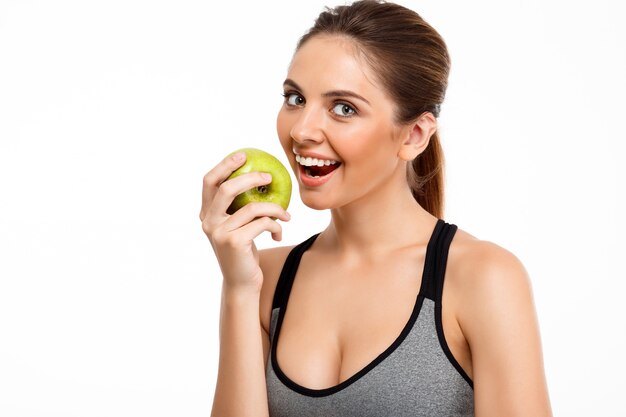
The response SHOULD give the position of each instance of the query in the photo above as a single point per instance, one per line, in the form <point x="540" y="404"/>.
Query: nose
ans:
<point x="309" y="125"/>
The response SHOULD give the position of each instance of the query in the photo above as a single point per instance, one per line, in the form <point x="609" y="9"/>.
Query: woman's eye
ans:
<point x="340" y="109"/>
<point x="343" y="110"/>
<point x="293" y="99"/>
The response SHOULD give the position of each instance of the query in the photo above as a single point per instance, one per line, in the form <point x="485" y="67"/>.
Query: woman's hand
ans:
<point x="231" y="236"/>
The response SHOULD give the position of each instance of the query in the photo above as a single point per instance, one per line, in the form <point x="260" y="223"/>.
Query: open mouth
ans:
<point x="317" y="171"/>
<point x="316" y="168"/>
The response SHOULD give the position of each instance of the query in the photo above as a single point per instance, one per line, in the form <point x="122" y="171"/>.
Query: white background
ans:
<point x="112" y="111"/>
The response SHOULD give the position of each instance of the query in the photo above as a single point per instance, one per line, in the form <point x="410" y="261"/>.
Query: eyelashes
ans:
<point x="287" y="95"/>
<point x="352" y="111"/>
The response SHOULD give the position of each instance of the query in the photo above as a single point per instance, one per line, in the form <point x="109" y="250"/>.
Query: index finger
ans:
<point x="218" y="175"/>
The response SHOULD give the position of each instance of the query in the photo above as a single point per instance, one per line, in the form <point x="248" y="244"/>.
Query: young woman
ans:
<point x="392" y="310"/>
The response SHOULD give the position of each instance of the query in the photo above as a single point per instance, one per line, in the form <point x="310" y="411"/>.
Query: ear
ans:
<point x="416" y="136"/>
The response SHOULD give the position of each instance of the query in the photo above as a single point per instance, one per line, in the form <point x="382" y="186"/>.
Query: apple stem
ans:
<point x="262" y="189"/>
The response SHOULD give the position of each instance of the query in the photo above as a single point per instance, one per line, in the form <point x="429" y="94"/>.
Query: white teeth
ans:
<point x="308" y="161"/>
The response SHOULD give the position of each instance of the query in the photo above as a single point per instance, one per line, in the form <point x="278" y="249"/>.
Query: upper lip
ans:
<point x="313" y="155"/>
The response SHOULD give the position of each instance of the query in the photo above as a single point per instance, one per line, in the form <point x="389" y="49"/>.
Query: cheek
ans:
<point x="283" y="128"/>
<point x="280" y="122"/>
<point x="283" y="131"/>
<point x="373" y="155"/>
<point x="364" y="146"/>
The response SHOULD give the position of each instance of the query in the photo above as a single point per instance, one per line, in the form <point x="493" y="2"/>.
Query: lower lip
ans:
<point x="314" y="182"/>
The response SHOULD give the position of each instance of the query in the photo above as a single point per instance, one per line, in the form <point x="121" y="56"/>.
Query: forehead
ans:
<point x="326" y="63"/>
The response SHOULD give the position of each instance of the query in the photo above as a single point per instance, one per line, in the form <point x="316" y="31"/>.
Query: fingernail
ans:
<point x="287" y="215"/>
<point x="266" y="176"/>
<point x="238" y="157"/>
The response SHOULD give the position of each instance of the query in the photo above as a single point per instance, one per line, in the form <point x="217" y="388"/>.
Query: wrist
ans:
<point x="240" y="294"/>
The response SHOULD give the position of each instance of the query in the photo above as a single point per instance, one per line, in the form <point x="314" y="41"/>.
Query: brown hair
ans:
<point x="412" y="63"/>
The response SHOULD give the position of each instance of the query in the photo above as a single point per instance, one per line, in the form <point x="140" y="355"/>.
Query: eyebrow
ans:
<point x="334" y="93"/>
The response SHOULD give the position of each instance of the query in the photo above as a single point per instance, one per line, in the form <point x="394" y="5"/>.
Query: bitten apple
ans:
<point x="278" y="191"/>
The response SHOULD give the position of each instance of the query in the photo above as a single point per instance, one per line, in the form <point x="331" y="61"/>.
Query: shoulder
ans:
<point x="271" y="262"/>
<point x="484" y="270"/>
<point x="487" y="275"/>
<point x="494" y="307"/>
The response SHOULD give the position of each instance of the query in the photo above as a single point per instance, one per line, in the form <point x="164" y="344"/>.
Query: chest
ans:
<point x="409" y="379"/>
<point x="339" y="320"/>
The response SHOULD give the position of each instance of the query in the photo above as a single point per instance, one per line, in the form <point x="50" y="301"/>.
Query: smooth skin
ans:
<point x="339" y="317"/>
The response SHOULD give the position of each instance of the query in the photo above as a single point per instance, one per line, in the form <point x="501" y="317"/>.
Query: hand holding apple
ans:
<point x="278" y="191"/>
<point x="232" y="236"/>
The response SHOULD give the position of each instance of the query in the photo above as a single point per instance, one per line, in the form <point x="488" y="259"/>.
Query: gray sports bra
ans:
<point x="415" y="376"/>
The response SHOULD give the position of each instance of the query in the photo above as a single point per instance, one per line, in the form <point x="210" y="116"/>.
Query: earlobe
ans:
<point x="417" y="137"/>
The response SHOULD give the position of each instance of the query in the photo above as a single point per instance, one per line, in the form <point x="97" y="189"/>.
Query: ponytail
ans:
<point x="425" y="175"/>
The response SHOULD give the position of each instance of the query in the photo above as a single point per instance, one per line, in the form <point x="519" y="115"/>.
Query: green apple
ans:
<point x="278" y="191"/>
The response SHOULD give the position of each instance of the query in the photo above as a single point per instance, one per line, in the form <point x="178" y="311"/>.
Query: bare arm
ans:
<point x="241" y="388"/>
<point x="500" y="324"/>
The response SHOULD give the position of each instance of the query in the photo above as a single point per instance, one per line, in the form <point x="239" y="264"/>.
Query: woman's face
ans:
<point x="335" y="113"/>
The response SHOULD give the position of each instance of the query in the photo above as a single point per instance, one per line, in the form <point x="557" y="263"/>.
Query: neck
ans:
<point x="382" y="220"/>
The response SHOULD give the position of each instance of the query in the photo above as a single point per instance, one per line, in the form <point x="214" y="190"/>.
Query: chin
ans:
<point x="314" y="203"/>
